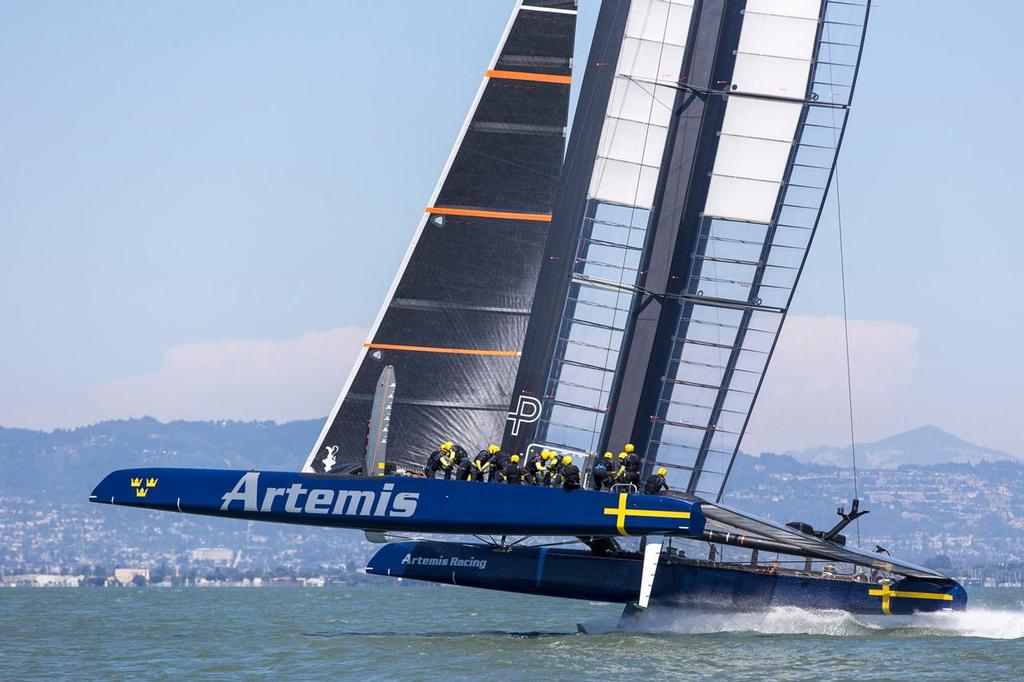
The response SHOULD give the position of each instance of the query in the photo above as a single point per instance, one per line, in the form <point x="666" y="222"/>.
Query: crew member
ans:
<point x="656" y="483"/>
<point x="538" y="470"/>
<point x="570" y="474"/>
<point x="535" y="464"/>
<point x="620" y="468"/>
<point x="632" y="473"/>
<point x="512" y="473"/>
<point x="434" y="461"/>
<point x="553" y="465"/>
<point x="602" y="472"/>
<point x="465" y="467"/>
<point x="555" y="470"/>
<point x="499" y="460"/>
<point x="450" y="458"/>
<point x="482" y="463"/>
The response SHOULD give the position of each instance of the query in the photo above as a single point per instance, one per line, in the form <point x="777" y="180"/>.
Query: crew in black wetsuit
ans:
<point x="570" y="474"/>
<point x="656" y="483"/>
<point x="434" y="460"/>
<point x="483" y="464"/>
<point x="465" y="468"/>
<point x="499" y="460"/>
<point x="632" y="473"/>
<point x="512" y="473"/>
<point x="602" y="473"/>
<point x="555" y="470"/>
<point x="450" y="460"/>
<point x="537" y="469"/>
<point x="620" y="468"/>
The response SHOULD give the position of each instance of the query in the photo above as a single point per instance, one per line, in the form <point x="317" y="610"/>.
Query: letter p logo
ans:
<point x="527" y="412"/>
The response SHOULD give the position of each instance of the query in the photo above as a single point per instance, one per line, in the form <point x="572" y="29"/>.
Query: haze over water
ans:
<point x="410" y="631"/>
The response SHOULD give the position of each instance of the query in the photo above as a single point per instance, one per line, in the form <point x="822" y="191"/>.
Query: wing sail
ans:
<point x="784" y="119"/>
<point x="453" y="323"/>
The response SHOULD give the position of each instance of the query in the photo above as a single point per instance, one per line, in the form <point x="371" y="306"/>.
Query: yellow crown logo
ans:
<point x="136" y="482"/>
<point x="151" y="482"/>
<point x="141" y="492"/>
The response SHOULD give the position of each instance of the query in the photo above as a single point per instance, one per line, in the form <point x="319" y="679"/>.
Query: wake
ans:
<point x="788" y="620"/>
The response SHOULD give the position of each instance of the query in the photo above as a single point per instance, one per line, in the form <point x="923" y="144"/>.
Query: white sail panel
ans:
<point x="774" y="76"/>
<point x="774" y="58"/>
<point x="804" y="9"/>
<point x="660" y="21"/>
<point x="761" y="118"/>
<point x="753" y="158"/>
<point x="634" y="143"/>
<point x="778" y="36"/>
<point x="650" y="61"/>
<point x="742" y="198"/>
<point x="643" y="93"/>
<point x="776" y="48"/>
<point x="635" y="101"/>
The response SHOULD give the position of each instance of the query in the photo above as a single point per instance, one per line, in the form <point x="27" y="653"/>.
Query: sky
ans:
<point x="202" y="205"/>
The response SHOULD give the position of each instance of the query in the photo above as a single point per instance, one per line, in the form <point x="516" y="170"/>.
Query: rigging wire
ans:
<point x="846" y="338"/>
<point x="842" y="277"/>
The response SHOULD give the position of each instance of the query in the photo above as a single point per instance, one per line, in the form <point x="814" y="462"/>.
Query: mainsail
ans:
<point x="453" y="323"/>
<point x="696" y="199"/>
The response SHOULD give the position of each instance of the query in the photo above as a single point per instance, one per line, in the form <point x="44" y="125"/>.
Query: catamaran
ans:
<point x="629" y="286"/>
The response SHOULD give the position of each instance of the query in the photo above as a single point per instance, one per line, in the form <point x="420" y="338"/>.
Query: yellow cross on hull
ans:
<point x="886" y="593"/>
<point x="620" y="513"/>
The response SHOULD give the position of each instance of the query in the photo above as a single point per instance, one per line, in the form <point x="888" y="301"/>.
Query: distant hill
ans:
<point x="925" y="446"/>
<point x="68" y="463"/>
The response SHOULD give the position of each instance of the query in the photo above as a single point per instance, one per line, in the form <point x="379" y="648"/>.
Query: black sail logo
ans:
<point x="527" y="412"/>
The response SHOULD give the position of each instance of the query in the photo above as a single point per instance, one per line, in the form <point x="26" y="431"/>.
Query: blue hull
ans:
<point x="399" y="503"/>
<point x="581" y="574"/>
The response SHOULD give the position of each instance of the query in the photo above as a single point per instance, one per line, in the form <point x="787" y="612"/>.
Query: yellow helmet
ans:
<point x="567" y="460"/>
<point x="514" y="458"/>
<point x="544" y="454"/>
<point x="609" y="455"/>
<point x="447" y="445"/>
<point x="629" y="448"/>
<point x="623" y="455"/>
<point x="662" y="471"/>
<point x="492" y="448"/>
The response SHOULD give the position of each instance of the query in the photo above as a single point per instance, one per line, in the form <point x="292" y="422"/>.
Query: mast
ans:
<point x="452" y="325"/>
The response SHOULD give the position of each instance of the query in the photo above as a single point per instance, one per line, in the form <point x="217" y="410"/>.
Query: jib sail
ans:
<point x="453" y="323"/>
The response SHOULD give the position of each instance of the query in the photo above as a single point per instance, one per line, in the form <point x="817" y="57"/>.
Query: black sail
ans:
<point x="453" y="323"/>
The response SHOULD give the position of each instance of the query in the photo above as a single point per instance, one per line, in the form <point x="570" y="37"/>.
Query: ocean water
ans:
<point x="418" y="632"/>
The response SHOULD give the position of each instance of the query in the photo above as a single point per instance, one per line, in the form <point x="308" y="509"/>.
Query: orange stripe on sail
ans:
<point x="469" y="212"/>
<point x="527" y="76"/>
<point x="429" y="349"/>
